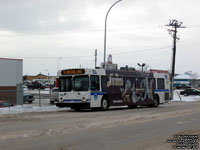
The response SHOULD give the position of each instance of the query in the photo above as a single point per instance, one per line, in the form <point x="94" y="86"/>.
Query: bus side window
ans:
<point x="160" y="83"/>
<point x="104" y="80"/>
<point x="94" y="80"/>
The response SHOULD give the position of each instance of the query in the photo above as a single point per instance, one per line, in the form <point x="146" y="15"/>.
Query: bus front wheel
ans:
<point x="156" y="101"/>
<point x="104" y="104"/>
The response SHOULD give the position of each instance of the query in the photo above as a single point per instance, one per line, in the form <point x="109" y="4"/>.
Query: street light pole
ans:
<point x="105" y="32"/>
<point x="141" y="65"/>
<point x="58" y="63"/>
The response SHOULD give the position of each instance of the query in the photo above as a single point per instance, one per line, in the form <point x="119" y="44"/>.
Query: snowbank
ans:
<point x="190" y="98"/>
<point x="36" y="91"/>
<point x="26" y="108"/>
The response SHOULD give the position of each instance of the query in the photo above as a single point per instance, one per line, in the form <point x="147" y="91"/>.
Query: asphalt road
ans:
<point x="116" y="129"/>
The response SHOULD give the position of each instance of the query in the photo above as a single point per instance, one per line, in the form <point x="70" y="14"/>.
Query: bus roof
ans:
<point x="81" y="71"/>
<point x="87" y="71"/>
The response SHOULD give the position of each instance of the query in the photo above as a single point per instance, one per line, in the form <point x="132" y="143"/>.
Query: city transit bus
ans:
<point x="102" y="88"/>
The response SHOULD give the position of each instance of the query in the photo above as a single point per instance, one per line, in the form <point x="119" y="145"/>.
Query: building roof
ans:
<point x="183" y="76"/>
<point x="12" y="59"/>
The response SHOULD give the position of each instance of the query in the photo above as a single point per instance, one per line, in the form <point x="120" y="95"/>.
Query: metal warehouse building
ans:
<point x="11" y="89"/>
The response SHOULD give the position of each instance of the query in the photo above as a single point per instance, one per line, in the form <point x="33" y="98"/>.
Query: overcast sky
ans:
<point x="48" y="34"/>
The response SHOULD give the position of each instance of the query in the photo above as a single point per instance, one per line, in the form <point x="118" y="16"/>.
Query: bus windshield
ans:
<point x="81" y="83"/>
<point x="65" y="84"/>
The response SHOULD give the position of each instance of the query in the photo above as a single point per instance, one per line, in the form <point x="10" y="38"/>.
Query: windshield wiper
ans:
<point x="74" y="89"/>
<point x="79" y="93"/>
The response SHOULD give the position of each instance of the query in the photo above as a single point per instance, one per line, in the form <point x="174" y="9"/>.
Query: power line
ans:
<point x="44" y="57"/>
<point x="84" y="56"/>
<point x="142" y="50"/>
<point x="159" y="26"/>
<point x="193" y="26"/>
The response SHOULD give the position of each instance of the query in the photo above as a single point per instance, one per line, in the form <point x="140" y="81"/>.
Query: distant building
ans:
<point x="109" y="64"/>
<point x="11" y="80"/>
<point x="186" y="80"/>
<point x="40" y="77"/>
<point x="31" y="77"/>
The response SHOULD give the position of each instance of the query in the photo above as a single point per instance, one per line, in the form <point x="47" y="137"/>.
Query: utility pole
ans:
<point x="95" y="58"/>
<point x="175" y="24"/>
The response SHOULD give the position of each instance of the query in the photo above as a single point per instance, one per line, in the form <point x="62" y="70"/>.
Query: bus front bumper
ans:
<point x="82" y="105"/>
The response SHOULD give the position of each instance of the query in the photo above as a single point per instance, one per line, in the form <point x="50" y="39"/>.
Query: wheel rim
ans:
<point x="155" y="102"/>
<point x="104" y="104"/>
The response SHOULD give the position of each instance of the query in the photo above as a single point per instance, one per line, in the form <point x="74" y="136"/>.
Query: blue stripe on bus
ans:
<point x="100" y="93"/>
<point x="161" y="90"/>
<point x="74" y="100"/>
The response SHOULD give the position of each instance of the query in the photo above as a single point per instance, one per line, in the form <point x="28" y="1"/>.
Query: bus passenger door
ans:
<point x="95" y="95"/>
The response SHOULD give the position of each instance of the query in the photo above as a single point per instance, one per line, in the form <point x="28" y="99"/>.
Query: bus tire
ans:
<point x="104" y="104"/>
<point x="156" y="101"/>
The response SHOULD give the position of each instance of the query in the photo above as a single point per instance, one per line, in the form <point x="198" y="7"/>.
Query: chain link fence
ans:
<point x="17" y="95"/>
<point x="41" y="97"/>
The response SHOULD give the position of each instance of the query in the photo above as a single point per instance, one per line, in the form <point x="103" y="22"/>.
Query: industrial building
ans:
<point x="11" y="89"/>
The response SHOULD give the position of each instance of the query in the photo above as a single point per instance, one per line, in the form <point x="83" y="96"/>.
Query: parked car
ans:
<point x="28" y="98"/>
<point x="36" y="85"/>
<point x="183" y="86"/>
<point x="53" y="95"/>
<point x="190" y="91"/>
<point x="4" y="104"/>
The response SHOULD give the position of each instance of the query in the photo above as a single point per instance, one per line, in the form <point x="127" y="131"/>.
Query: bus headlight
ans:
<point x="84" y="99"/>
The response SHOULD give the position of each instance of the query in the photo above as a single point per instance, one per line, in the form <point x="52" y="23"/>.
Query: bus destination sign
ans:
<point x="72" y="71"/>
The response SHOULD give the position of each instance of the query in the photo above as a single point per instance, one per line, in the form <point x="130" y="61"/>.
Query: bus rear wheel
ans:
<point x="104" y="104"/>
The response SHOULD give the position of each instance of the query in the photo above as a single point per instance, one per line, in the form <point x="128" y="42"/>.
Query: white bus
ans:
<point x="101" y="88"/>
<point x="162" y="79"/>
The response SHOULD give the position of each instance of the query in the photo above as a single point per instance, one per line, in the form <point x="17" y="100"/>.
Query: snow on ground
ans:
<point x="27" y="108"/>
<point x="191" y="98"/>
<point x="36" y="91"/>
